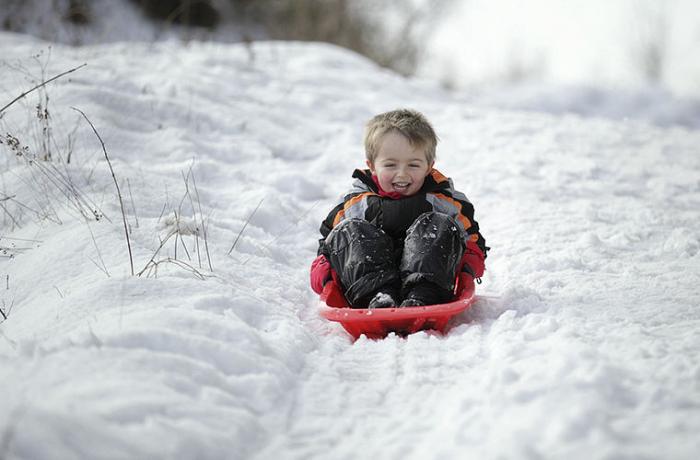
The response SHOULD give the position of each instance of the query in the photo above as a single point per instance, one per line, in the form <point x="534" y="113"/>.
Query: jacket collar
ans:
<point x="435" y="181"/>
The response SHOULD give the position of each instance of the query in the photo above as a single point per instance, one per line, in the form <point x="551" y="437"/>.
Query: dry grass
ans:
<point x="185" y="225"/>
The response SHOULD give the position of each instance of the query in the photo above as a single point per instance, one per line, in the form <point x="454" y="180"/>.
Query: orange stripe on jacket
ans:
<point x="348" y="204"/>
<point x="438" y="176"/>
<point x="462" y="218"/>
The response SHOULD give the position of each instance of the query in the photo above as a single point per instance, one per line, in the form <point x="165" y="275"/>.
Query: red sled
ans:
<point x="378" y="322"/>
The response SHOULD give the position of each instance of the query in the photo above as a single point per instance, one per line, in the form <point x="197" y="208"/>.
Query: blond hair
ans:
<point x="410" y="123"/>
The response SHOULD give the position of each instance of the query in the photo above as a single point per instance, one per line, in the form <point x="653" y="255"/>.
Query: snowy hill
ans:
<point x="584" y="343"/>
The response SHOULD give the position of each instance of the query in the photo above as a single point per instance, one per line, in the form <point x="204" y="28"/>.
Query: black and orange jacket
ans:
<point x="366" y="201"/>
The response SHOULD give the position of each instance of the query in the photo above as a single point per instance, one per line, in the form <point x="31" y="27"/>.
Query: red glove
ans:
<point x="473" y="260"/>
<point x="320" y="273"/>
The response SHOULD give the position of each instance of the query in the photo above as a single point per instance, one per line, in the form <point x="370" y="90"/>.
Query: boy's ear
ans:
<point x="370" y="166"/>
<point x="430" y="168"/>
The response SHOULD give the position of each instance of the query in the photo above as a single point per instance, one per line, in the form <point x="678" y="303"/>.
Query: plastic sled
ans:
<point x="378" y="322"/>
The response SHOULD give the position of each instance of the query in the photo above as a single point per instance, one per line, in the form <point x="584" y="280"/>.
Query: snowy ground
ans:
<point x="584" y="343"/>
<point x="653" y="105"/>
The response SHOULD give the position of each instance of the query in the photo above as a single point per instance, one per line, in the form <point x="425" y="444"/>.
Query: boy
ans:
<point x="402" y="233"/>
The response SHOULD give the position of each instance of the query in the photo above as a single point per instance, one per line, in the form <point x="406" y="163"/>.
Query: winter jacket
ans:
<point x="365" y="200"/>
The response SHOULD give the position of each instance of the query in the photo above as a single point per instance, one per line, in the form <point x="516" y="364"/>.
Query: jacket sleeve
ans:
<point x="471" y="232"/>
<point x="456" y="204"/>
<point x="327" y="225"/>
<point x="475" y="245"/>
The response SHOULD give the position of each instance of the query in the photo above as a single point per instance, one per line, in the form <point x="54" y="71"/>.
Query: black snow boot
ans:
<point x="388" y="296"/>
<point x="426" y="293"/>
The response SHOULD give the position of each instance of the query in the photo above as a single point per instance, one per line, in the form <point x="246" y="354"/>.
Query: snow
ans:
<point x="583" y="344"/>
<point x="652" y="104"/>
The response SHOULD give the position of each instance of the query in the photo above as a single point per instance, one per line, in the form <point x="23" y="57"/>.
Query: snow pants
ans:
<point x="367" y="260"/>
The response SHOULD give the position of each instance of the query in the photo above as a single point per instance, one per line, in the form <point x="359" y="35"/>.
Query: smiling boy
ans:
<point x="402" y="233"/>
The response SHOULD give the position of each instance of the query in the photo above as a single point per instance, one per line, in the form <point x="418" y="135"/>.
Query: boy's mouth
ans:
<point x="401" y="186"/>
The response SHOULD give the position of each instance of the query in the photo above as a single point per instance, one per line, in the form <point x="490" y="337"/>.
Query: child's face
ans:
<point x="399" y="166"/>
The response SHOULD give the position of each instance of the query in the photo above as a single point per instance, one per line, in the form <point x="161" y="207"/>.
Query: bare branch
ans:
<point x="133" y="206"/>
<point x="97" y="248"/>
<point x="116" y="184"/>
<point x="244" y="226"/>
<point x="153" y="265"/>
<point x="204" y="227"/>
<point x="153" y="258"/>
<point x="40" y="85"/>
